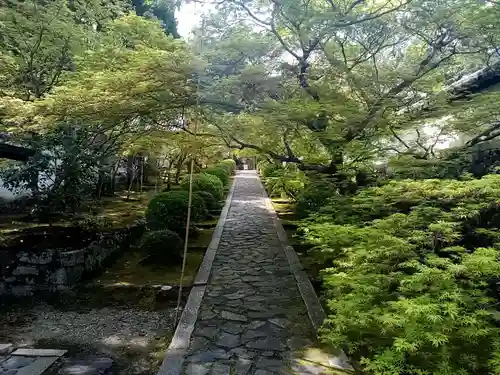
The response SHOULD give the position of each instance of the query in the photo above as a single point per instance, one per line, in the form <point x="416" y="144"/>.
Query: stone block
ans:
<point x="25" y="270"/>
<point x="45" y="257"/>
<point x="72" y="258"/>
<point x="59" y="276"/>
<point x="21" y="290"/>
<point x="27" y="352"/>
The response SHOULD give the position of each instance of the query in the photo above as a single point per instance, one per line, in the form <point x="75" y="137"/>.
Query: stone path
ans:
<point x="252" y="319"/>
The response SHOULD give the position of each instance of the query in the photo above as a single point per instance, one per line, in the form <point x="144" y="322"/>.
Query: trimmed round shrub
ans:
<point x="230" y="164"/>
<point x="220" y="171"/>
<point x="169" y="210"/>
<point x="210" y="201"/>
<point x="162" y="246"/>
<point x="205" y="182"/>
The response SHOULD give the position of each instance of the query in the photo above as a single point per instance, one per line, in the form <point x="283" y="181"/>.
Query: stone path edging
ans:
<point x="313" y="306"/>
<point x="174" y="356"/>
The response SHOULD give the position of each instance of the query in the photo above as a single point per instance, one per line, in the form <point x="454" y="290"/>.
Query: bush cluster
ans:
<point x="229" y="164"/>
<point x="162" y="246"/>
<point x="169" y="210"/>
<point x="166" y="214"/>
<point x="205" y="182"/>
<point x="219" y="171"/>
<point x="410" y="278"/>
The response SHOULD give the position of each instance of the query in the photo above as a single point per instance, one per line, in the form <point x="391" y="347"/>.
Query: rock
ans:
<point x="233" y="316"/>
<point x="72" y="258"/>
<point x="232" y="327"/>
<point x="208" y="332"/>
<point x="282" y="323"/>
<point x="59" y="276"/>
<point x="268" y="343"/>
<point x="256" y="324"/>
<point x="45" y="257"/>
<point x="243" y="366"/>
<point x="25" y="270"/>
<point x="263" y="372"/>
<point x="198" y="369"/>
<point x="221" y="369"/>
<point x="90" y="366"/>
<point x="250" y="335"/>
<point x="227" y="340"/>
<point x="21" y="290"/>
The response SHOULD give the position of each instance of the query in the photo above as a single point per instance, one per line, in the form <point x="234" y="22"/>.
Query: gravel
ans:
<point x="129" y="336"/>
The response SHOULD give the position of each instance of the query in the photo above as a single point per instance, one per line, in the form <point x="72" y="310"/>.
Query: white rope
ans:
<point x="190" y="195"/>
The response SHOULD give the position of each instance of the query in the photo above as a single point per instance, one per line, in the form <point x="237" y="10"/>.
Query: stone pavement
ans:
<point x="252" y="319"/>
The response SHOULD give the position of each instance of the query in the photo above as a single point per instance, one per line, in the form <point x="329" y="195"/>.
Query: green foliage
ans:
<point x="169" y="211"/>
<point x="220" y="172"/>
<point x="230" y="164"/>
<point x="314" y="196"/>
<point x="205" y="182"/>
<point x="267" y="169"/>
<point x="285" y="182"/>
<point x="410" y="277"/>
<point x="162" y="247"/>
<point x="210" y="202"/>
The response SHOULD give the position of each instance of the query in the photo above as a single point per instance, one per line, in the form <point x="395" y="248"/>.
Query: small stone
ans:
<point x="282" y="323"/>
<point x="263" y="372"/>
<point x="198" y="369"/>
<point x="250" y="335"/>
<point x="227" y="340"/>
<point x="268" y="354"/>
<point x="256" y="324"/>
<point x="268" y="343"/>
<point x="243" y="366"/>
<point x="208" y="332"/>
<point x="268" y="363"/>
<point x="232" y="327"/>
<point x="233" y="316"/>
<point x="8" y="372"/>
<point x="92" y="366"/>
<point x="221" y="369"/>
<point x="233" y="296"/>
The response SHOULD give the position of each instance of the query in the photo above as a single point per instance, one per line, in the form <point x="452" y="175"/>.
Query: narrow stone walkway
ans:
<point x="252" y="319"/>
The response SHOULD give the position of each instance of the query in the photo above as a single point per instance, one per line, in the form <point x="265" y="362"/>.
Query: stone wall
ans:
<point x="56" y="269"/>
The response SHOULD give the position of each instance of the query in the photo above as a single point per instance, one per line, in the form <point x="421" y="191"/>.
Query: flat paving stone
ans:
<point x="40" y="352"/>
<point x="252" y="309"/>
<point x="37" y="366"/>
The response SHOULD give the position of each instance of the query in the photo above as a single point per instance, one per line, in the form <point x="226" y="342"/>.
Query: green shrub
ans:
<point x="271" y="169"/>
<point x="162" y="246"/>
<point x="169" y="210"/>
<point x="286" y="182"/>
<point x="230" y="164"/>
<point x="410" y="276"/>
<point x="205" y="182"/>
<point x="219" y="171"/>
<point x="210" y="202"/>
<point x="314" y="196"/>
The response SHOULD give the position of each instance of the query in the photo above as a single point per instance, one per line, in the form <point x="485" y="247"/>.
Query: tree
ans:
<point x="358" y="72"/>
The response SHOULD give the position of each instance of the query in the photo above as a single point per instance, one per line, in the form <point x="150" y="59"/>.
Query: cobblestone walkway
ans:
<point x="252" y="319"/>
